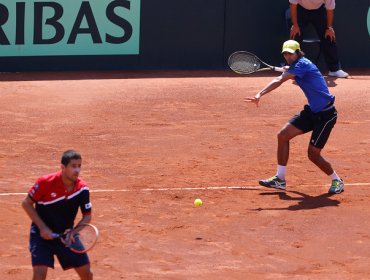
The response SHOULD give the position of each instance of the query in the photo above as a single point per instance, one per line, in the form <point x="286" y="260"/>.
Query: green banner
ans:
<point x="69" y="27"/>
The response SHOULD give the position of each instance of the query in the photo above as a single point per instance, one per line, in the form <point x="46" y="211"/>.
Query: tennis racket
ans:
<point x="243" y="62"/>
<point x="80" y="239"/>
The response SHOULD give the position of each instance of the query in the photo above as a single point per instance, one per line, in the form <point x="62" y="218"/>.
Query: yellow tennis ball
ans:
<point x="198" y="202"/>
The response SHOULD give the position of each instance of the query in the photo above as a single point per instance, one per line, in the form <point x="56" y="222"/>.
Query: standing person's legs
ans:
<point x="319" y="20"/>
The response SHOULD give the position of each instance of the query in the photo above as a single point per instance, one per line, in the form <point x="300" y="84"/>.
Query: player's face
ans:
<point x="290" y="57"/>
<point x="72" y="170"/>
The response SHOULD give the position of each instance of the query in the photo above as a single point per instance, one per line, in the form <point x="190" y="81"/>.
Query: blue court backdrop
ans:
<point x="160" y="34"/>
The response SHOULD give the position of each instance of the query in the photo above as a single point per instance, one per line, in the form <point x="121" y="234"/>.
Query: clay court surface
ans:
<point x="152" y="142"/>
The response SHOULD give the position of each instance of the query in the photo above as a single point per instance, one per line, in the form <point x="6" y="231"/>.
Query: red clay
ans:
<point x="171" y="130"/>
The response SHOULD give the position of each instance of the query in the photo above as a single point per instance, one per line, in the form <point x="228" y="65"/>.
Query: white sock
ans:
<point x="334" y="176"/>
<point x="281" y="170"/>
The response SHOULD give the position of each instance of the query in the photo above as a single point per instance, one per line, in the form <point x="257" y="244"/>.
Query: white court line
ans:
<point x="189" y="189"/>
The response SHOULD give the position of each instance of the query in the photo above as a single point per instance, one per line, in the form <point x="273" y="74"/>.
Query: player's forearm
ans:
<point x="275" y="83"/>
<point x="293" y="14"/>
<point x="86" y="219"/>
<point x="330" y="18"/>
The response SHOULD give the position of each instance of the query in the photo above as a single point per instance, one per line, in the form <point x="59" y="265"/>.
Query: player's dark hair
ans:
<point x="300" y="53"/>
<point x="68" y="156"/>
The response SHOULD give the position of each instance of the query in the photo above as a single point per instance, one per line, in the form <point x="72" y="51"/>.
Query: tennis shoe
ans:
<point x="337" y="186"/>
<point x="274" y="182"/>
<point x="338" y="74"/>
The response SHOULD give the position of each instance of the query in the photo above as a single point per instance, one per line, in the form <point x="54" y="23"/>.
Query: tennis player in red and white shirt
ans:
<point x="52" y="204"/>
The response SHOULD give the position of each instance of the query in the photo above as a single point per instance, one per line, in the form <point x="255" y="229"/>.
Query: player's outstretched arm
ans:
<point x="275" y="83"/>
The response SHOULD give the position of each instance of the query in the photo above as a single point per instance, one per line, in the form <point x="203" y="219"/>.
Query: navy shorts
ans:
<point x="43" y="251"/>
<point x="320" y="124"/>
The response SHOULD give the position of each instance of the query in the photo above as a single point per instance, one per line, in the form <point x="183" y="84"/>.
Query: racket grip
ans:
<point x="278" y="69"/>
<point x="55" y="235"/>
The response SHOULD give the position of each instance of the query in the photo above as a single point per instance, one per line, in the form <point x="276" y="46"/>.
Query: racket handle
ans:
<point x="278" y="69"/>
<point x="55" y="235"/>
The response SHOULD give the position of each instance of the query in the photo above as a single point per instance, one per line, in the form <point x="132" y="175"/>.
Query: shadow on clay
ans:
<point x="303" y="201"/>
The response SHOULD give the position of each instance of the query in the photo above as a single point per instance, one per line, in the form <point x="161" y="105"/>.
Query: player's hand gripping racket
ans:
<point x="243" y="62"/>
<point x="80" y="239"/>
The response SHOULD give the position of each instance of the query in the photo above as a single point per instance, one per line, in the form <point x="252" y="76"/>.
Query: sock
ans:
<point x="334" y="176"/>
<point x="281" y="170"/>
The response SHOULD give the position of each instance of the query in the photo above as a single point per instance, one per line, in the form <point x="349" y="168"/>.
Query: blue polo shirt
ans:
<point x="313" y="84"/>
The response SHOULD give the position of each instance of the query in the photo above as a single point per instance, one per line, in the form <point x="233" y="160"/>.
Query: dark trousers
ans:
<point x="318" y="19"/>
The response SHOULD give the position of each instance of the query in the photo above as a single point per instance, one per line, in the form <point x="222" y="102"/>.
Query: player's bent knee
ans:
<point x="283" y="136"/>
<point x="313" y="154"/>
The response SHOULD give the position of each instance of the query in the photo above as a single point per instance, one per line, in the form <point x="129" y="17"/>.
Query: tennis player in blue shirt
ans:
<point x="318" y="116"/>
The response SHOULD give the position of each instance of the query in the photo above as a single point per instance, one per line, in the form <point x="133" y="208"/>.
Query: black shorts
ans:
<point x="43" y="251"/>
<point x="320" y="124"/>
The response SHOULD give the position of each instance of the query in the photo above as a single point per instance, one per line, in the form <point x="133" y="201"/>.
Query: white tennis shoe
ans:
<point x="339" y="74"/>
<point x="337" y="186"/>
<point x="274" y="182"/>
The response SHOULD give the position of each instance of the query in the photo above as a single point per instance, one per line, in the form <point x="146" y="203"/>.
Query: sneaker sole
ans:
<point x="342" y="190"/>
<point x="335" y="76"/>
<point x="271" y="187"/>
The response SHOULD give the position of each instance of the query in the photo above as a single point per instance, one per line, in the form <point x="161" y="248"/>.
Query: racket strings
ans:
<point x="85" y="239"/>
<point x="244" y="63"/>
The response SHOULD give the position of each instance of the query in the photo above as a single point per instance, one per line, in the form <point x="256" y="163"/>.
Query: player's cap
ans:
<point x="290" y="46"/>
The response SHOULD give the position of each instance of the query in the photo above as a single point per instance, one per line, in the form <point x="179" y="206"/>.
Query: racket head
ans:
<point x="84" y="237"/>
<point x="243" y="62"/>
